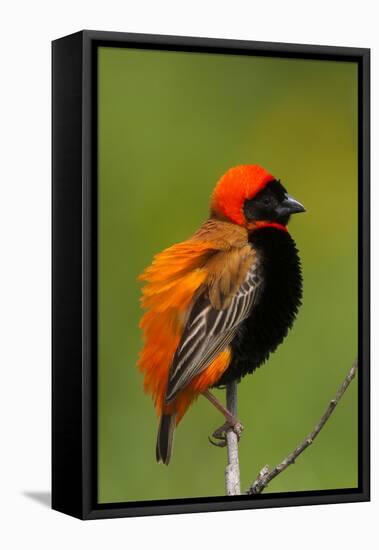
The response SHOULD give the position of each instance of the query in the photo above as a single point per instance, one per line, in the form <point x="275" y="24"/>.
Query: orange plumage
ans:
<point x="172" y="281"/>
<point x="204" y="283"/>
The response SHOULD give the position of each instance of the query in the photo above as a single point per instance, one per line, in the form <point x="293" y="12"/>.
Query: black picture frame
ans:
<point x="74" y="273"/>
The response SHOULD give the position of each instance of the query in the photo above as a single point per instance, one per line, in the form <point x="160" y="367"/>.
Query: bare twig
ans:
<point x="266" y="475"/>
<point x="232" y="470"/>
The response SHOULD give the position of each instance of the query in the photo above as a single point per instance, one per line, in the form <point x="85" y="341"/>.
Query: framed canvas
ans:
<point x="185" y="285"/>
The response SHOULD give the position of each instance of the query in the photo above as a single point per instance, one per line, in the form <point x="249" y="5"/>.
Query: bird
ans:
<point x="217" y="304"/>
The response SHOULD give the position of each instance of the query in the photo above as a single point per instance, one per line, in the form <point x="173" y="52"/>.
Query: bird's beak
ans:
<point x="290" y="206"/>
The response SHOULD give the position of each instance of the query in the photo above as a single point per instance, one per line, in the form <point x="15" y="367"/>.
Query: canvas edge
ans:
<point x="67" y="480"/>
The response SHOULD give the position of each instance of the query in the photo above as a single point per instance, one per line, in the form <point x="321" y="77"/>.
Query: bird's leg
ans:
<point x="220" y="407"/>
<point x="232" y="423"/>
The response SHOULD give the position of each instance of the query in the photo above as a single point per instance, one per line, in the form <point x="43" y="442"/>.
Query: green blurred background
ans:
<point x="170" y="124"/>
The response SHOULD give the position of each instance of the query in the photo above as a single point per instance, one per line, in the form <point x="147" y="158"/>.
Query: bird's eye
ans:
<point x="266" y="201"/>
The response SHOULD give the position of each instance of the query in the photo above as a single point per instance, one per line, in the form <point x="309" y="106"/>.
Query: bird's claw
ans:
<point x="221" y="440"/>
<point x="220" y="433"/>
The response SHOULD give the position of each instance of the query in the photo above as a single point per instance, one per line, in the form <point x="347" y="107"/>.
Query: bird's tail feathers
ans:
<point x="165" y="437"/>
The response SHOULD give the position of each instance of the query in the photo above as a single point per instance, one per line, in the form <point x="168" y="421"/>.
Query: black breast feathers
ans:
<point x="273" y="314"/>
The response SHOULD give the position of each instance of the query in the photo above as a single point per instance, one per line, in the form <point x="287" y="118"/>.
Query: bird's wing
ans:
<point x="214" y="320"/>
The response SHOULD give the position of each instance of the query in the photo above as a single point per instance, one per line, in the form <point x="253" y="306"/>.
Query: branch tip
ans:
<point x="266" y="475"/>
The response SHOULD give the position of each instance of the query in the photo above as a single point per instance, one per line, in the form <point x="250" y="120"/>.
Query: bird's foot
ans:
<point x="219" y="435"/>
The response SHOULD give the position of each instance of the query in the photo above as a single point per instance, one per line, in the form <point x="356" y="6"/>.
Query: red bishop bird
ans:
<point x="220" y="302"/>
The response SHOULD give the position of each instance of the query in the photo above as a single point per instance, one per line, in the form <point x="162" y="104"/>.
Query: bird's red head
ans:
<point x="236" y="186"/>
<point x="250" y="196"/>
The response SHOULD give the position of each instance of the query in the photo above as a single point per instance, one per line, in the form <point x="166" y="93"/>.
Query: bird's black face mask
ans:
<point x="272" y="204"/>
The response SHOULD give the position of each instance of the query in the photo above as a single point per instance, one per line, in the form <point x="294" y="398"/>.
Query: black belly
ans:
<point x="275" y="311"/>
